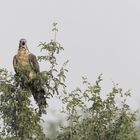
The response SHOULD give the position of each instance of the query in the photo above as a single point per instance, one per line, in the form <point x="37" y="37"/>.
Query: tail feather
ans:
<point x="37" y="90"/>
<point x="39" y="96"/>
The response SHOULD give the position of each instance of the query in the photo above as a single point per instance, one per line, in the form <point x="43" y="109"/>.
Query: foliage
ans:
<point x="21" y="120"/>
<point x="52" y="78"/>
<point x="89" y="116"/>
<point x="92" y="118"/>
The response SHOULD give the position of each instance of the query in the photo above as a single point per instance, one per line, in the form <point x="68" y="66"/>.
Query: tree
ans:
<point x="21" y="120"/>
<point x="92" y="118"/>
<point x="89" y="116"/>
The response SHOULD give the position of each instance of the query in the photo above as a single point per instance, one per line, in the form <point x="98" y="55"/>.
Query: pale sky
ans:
<point x="99" y="36"/>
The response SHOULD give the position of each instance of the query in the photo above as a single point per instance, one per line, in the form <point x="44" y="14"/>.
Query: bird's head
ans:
<point x="22" y="44"/>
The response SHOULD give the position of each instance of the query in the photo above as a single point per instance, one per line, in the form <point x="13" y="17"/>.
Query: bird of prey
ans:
<point x="27" y="68"/>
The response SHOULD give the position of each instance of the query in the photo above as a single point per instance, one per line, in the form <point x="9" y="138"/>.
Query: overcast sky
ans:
<point x="99" y="36"/>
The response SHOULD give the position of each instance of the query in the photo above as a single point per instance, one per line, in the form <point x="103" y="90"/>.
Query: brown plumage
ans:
<point x="25" y="61"/>
<point x="27" y="68"/>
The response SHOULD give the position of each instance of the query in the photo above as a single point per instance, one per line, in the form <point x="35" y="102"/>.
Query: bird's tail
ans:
<point x="39" y="93"/>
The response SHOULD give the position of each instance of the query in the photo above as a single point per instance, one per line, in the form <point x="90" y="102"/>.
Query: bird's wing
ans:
<point x="15" y="63"/>
<point x="33" y="62"/>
